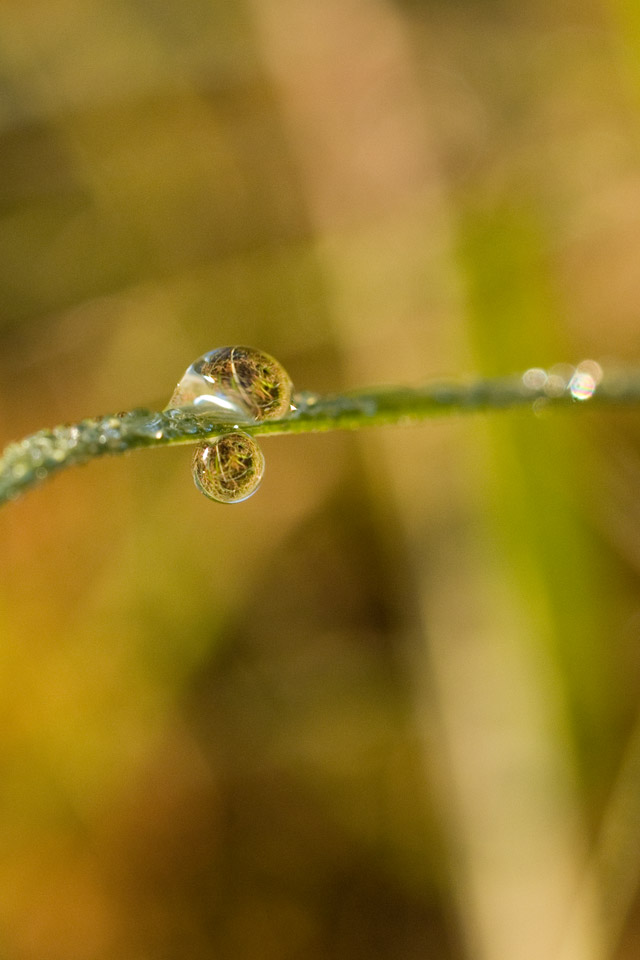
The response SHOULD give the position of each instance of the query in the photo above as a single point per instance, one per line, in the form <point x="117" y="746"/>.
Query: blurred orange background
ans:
<point x="386" y="709"/>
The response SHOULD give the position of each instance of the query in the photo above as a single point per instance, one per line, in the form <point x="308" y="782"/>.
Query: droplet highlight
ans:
<point x="228" y="469"/>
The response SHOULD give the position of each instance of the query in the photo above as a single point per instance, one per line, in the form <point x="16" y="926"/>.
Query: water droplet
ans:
<point x="582" y="385"/>
<point x="303" y="400"/>
<point x="149" y="425"/>
<point x="237" y="384"/>
<point x="535" y="378"/>
<point x="591" y="367"/>
<point x="585" y="380"/>
<point x="229" y="468"/>
<point x="555" y="385"/>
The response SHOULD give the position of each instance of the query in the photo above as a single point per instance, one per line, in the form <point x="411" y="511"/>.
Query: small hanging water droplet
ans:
<point x="229" y="468"/>
<point x="236" y="384"/>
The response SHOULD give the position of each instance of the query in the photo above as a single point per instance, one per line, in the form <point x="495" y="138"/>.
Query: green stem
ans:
<point x="30" y="461"/>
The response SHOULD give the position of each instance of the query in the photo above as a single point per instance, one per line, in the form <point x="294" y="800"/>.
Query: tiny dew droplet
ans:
<point x="228" y="469"/>
<point x="240" y="384"/>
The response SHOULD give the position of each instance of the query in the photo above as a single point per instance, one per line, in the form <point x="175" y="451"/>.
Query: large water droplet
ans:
<point x="229" y="468"/>
<point x="236" y="385"/>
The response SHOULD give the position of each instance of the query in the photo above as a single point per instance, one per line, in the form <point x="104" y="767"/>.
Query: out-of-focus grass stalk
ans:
<point x="614" y="868"/>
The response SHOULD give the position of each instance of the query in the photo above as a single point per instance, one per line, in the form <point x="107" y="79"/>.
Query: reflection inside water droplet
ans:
<point x="229" y="468"/>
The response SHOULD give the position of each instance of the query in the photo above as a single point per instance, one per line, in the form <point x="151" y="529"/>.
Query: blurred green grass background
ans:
<point x="387" y="709"/>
